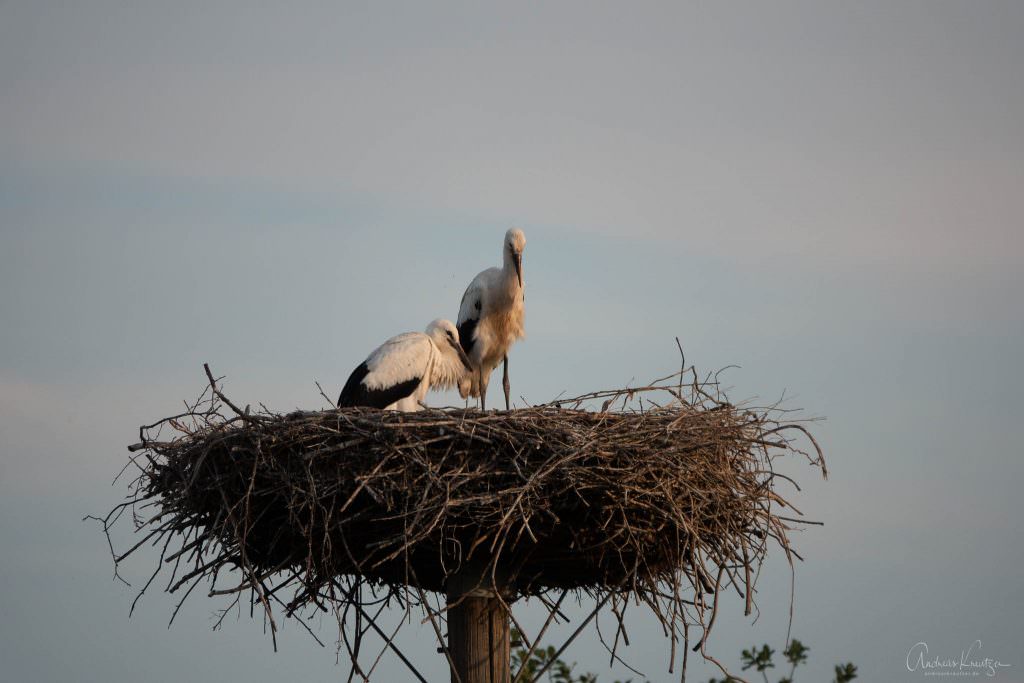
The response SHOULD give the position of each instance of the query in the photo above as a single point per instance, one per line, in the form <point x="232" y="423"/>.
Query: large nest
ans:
<point x="665" y="493"/>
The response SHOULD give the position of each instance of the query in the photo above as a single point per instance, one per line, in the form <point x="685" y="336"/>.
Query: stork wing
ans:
<point x="391" y="372"/>
<point x="469" y="312"/>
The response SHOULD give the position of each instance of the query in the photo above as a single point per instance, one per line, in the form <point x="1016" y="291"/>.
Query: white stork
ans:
<point x="491" y="318"/>
<point x="399" y="372"/>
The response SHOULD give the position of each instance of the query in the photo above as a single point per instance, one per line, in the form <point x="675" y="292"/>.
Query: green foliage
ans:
<point x="758" y="659"/>
<point x="558" y="672"/>
<point x="845" y="672"/>
<point x="795" y="654"/>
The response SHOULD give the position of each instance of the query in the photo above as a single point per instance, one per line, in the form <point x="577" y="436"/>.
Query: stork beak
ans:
<point x="519" y="267"/>
<point x="462" y="355"/>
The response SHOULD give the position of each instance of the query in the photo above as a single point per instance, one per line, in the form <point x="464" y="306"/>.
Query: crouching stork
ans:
<point x="400" y="372"/>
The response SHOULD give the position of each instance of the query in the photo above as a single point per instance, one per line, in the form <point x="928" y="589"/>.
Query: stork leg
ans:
<point x="504" y="383"/>
<point x="483" y="390"/>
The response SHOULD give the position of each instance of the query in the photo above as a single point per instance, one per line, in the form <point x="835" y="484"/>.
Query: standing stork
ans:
<point x="491" y="318"/>
<point x="399" y="372"/>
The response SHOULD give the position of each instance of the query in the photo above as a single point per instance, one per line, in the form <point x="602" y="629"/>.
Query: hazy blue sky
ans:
<point x="828" y="195"/>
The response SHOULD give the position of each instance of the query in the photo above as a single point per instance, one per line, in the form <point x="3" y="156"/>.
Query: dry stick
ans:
<point x="331" y="403"/>
<point x="707" y="631"/>
<point x="437" y="631"/>
<point x="384" y="604"/>
<point x="536" y="641"/>
<point x="359" y="631"/>
<point x="342" y="620"/>
<point x="222" y="397"/>
<point x="390" y="644"/>
<point x="568" y="642"/>
<point x="156" y="571"/>
<point x="748" y="585"/>
<point x="686" y="650"/>
<point x="257" y="583"/>
<point x="389" y="640"/>
<point x="519" y="628"/>
<point x="619" y="628"/>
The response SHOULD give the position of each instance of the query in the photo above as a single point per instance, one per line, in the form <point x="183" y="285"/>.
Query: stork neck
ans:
<point x="508" y="269"/>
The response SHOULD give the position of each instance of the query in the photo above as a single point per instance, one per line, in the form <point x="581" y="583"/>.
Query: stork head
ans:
<point x="446" y="337"/>
<point x="515" y="242"/>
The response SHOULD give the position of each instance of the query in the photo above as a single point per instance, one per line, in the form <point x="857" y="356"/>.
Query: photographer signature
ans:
<point x="970" y="662"/>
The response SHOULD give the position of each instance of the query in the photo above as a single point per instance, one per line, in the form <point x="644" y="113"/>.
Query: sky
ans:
<point x="828" y="195"/>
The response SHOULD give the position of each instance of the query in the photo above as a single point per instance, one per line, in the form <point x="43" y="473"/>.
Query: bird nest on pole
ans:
<point x="663" y="496"/>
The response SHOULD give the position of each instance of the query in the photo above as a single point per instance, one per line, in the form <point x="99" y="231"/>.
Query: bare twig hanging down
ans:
<point x="344" y="509"/>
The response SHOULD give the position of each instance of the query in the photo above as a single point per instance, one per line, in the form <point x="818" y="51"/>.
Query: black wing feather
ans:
<point x="356" y="393"/>
<point x="466" y="331"/>
<point x="467" y="327"/>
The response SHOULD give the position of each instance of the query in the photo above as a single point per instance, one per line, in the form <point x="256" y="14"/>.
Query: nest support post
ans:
<point x="478" y="631"/>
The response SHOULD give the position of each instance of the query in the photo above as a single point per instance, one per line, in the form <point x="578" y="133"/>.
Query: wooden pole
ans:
<point x="478" y="632"/>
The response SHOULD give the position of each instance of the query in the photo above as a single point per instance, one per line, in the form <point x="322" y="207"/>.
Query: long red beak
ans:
<point x="519" y="268"/>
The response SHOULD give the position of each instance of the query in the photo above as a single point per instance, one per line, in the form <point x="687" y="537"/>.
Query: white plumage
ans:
<point x="400" y="372"/>
<point x="491" y="318"/>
